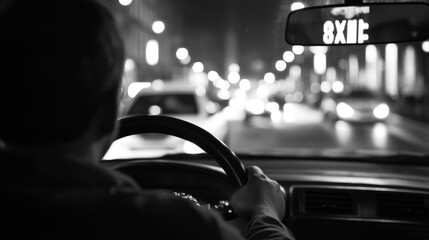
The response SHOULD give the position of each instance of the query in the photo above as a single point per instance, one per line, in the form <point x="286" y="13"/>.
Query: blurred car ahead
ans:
<point x="179" y="100"/>
<point x="357" y="105"/>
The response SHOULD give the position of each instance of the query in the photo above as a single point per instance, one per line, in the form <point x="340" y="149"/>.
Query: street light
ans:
<point x="158" y="27"/>
<point x="182" y="53"/>
<point x="269" y="78"/>
<point x="212" y="76"/>
<point x="245" y="85"/>
<point x="233" y="77"/>
<point x="281" y="65"/>
<point x="198" y="67"/>
<point x="152" y="52"/>
<point x="296" y="5"/>
<point x="234" y="67"/>
<point x="297" y="49"/>
<point x="319" y="63"/>
<point x="125" y="2"/>
<point x="288" y="56"/>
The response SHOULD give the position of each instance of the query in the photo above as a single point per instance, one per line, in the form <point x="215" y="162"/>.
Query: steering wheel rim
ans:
<point x="227" y="160"/>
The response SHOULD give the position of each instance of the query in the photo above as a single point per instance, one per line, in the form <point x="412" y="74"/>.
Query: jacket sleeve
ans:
<point x="264" y="227"/>
<point x="174" y="218"/>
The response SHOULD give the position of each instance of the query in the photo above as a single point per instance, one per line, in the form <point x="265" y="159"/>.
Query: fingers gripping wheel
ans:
<point x="226" y="159"/>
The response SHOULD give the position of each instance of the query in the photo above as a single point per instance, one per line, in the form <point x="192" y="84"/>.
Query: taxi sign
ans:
<point x="362" y="24"/>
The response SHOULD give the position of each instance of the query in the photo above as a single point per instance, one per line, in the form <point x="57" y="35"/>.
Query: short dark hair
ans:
<point x="59" y="60"/>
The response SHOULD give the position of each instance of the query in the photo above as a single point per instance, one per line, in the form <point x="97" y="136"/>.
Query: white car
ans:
<point x="355" y="106"/>
<point x="179" y="100"/>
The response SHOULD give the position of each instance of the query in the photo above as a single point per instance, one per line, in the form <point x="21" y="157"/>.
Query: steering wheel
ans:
<point x="177" y="175"/>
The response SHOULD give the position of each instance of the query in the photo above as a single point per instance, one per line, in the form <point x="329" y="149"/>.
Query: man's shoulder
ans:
<point x="21" y="169"/>
<point x="124" y="214"/>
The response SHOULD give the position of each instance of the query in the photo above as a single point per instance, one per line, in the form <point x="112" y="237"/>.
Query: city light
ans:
<point x="158" y="27"/>
<point x="344" y="110"/>
<point x="185" y="61"/>
<point x="281" y="65"/>
<point x="245" y="85"/>
<point x="182" y="53"/>
<point x="295" y="71"/>
<point x="288" y="56"/>
<point x="325" y="87"/>
<point x="319" y="63"/>
<point x="337" y="87"/>
<point x="298" y="50"/>
<point x="371" y="80"/>
<point x="212" y="76"/>
<point x="425" y="46"/>
<point x="212" y="107"/>
<point x="391" y="69"/>
<point x="296" y="6"/>
<point x="125" y="2"/>
<point x="233" y="77"/>
<point x="234" y="67"/>
<point x="272" y="107"/>
<point x="198" y="67"/>
<point x="269" y="78"/>
<point x="289" y="112"/>
<point x="371" y="54"/>
<point x="262" y="92"/>
<point x="152" y="52"/>
<point x="157" y="84"/>
<point x="224" y="94"/>
<point x="222" y="84"/>
<point x="410" y="69"/>
<point x="129" y="65"/>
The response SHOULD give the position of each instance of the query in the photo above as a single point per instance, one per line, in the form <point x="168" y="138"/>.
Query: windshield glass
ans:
<point x="265" y="96"/>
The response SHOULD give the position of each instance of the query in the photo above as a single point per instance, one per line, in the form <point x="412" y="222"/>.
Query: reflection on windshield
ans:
<point x="266" y="95"/>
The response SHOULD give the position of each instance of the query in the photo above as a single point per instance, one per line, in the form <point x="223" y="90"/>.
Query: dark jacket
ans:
<point x="67" y="199"/>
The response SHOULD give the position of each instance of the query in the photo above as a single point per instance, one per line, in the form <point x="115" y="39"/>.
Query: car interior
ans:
<point x="344" y="191"/>
<point x="349" y="194"/>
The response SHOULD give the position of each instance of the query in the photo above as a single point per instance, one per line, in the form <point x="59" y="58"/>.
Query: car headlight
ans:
<point x="344" y="110"/>
<point x="381" y="111"/>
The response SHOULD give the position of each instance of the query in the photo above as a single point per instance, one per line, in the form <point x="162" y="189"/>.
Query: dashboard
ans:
<point x="337" y="199"/>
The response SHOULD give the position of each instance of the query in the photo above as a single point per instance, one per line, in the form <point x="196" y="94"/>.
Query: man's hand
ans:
<point x="260" y="196"/>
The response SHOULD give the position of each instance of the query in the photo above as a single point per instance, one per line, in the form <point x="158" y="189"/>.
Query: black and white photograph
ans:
<point x="214" y="119"/>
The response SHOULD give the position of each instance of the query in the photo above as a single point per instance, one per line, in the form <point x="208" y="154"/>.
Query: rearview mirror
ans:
<point x="363" y="24"/>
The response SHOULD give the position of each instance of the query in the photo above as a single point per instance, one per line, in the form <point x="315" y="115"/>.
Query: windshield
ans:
<point x="269" y="97"/>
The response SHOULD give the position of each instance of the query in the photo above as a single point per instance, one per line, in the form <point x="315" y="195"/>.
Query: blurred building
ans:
<point x="151" y="51"/>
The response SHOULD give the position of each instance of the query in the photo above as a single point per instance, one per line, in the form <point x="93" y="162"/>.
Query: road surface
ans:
<point x="304" y="128"/>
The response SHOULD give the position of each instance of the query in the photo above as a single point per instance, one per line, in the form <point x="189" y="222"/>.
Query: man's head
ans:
<point x="61" y="64"/>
